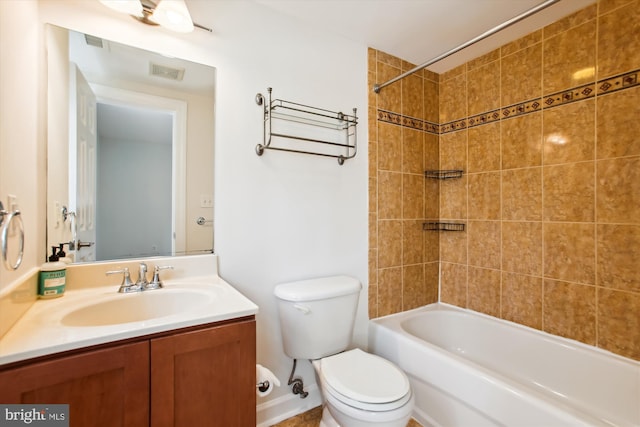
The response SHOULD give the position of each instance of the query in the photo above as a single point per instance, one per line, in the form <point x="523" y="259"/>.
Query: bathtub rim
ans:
<point x="397" y="318"/>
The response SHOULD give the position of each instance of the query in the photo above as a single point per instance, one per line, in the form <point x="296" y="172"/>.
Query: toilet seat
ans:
<point x="365" y="381"/>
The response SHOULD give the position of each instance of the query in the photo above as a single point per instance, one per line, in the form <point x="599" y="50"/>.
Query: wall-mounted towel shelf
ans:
<point x="443" y="226"/>
<point x="299" y="128"/>
<point x="443" y="174"/>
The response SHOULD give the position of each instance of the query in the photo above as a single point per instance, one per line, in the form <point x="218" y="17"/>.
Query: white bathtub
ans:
<point x="471" y="370"/>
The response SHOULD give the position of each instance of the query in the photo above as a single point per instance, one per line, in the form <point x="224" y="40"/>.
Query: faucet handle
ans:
<point x="127" y="285"/>
<point x="156" y="283"/>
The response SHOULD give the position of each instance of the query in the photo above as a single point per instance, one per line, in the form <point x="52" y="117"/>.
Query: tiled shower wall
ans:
<point x="547" y="130"/>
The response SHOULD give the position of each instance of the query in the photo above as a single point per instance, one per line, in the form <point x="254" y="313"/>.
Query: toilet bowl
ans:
<point x="361" y="389"/>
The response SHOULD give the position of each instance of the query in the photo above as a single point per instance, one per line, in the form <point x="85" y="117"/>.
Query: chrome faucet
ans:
<point x="142" y="281"/>
<point x="142" y="284"/>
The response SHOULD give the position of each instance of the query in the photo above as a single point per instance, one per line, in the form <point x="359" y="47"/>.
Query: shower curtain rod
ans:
<point x="526" y="14"/>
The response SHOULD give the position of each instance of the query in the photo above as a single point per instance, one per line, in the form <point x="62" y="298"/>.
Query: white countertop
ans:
<point x="42" y="331"/>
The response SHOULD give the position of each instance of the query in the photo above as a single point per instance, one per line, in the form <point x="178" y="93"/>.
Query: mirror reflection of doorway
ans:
<point x="134" y="174"/>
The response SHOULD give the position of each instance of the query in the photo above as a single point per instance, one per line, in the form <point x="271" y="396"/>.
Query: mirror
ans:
<point x="130" y="150"/>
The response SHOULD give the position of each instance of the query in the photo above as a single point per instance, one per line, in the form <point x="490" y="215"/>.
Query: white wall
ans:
<point x="22" y="168"/>
<point x="282" y="216"/>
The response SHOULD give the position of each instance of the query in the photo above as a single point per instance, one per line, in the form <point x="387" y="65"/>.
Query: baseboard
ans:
<point x="283" y="407"/>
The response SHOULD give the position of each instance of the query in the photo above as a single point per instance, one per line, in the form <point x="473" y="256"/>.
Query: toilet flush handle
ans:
<point x="302" y="308"/>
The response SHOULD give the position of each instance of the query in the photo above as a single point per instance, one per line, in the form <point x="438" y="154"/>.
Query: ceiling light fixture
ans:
<point x="170" y="14"/>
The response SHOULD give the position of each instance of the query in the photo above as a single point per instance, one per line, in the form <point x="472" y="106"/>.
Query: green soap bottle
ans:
<point x="53" y="277"/>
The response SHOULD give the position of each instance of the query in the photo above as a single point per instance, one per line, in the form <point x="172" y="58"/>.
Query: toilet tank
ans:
<point x="317" y="315"/>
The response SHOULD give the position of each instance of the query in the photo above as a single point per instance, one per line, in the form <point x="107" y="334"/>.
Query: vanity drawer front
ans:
<point x="105" y="387"/>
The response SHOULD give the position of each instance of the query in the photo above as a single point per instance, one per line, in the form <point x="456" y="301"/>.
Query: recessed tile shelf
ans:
<point x="443" y="226"/>
<point x="443" y="174"/>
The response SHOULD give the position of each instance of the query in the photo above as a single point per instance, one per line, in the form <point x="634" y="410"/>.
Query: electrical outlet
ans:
<point x="206" y="201"/>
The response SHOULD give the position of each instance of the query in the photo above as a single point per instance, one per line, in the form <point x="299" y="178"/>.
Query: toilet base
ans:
<point x="327" y="419"/>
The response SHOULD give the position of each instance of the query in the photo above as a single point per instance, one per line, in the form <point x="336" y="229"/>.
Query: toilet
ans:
<point x="358" y="389"/>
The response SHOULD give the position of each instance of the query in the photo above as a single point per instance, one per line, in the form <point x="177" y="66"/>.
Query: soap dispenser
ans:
<point x="53" y="276"/>
<point x="62" y="255"/>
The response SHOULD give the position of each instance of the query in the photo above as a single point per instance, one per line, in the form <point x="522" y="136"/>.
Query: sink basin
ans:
<point x="137" y="307"/>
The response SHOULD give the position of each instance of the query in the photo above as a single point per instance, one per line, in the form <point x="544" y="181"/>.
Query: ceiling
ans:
<point x="420" y="30"/>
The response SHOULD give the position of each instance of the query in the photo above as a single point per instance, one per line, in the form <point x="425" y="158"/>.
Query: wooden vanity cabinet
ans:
<point x="202" y="376"/>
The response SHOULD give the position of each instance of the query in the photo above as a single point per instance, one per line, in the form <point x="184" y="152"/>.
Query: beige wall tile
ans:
<point x="484" y="148"/>
<point x="390" y="98"/>
<point x="618" y="125"/>
<point x="605" y="6"/>
<point x="389" y="291"/>
<point x="412" y="93"/>
<point x="522" y="141"/>
<point x="431" y="152"/>
<point x="521" y="75"/>
<point x="485" y="244"/>
<point x="484" y="291"/>
<point x="431" y="246"/>
<point x="432" y="281"/>
<point x="373" y="230"/>
<point x="521" y="43"/>
<point x="389" y="147"/>
<point x="453" y="284"/>
<point x="412" y="242"/>
<point x="522" y="299"/>
<point x="412" y="196"/>
<point x="413" y="287"/>
<point x="522" y="194"/>
<point x="566" y="55"/>
<point x="619" y="322"/>
<point x="453" y="198"/>
<point x="390" y="243"/>
<point x="578" y="18"/>
<point x="412" y="151"/>
<point x="389" y="195"/>
<point x="483" y="88"/>
<point x="522" y="247"/>
<point x="618" y="40"/>
<point x="483" y="60"/>
<point x="373" y="193"/>
<point x="453" y="150"/>
<point x="619" y="257"/>
<point x="431" y="198"/>
<point x="569" y="192"/>
<point x="568" y="133"/>
<point x="570" y="310"/>
<point x="569" y="252"/>
<point x="453" y="247"/>
<point x="431" y="101"/>
<point x="484" y="196"/>
<point x="453" y="99"/>
<point x="618" y="190"/>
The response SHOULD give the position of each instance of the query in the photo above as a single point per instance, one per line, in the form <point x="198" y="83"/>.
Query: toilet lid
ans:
<point x="364" y="377"/>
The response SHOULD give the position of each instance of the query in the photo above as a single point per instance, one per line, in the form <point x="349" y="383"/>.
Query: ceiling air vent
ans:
<point x="166" y="72"/>
<point x="93" y="41"/>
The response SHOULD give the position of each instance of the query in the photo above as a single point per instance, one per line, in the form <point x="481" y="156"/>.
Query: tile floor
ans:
<point x="312" y="417"/>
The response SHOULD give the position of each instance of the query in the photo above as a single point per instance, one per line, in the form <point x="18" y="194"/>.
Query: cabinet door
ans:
<point x="104" y="388"/>
<point x="205" y="378"/>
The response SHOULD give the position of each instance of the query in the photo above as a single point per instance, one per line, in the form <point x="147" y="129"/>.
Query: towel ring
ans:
<point x="4" y="239"/>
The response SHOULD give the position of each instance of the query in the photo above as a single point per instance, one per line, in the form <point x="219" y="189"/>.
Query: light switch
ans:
<point x="206" y="201"/>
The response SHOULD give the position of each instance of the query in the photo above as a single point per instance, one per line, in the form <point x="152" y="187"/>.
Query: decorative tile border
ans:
<point x="410" y="122"/>
<point x="579" y="93"/>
